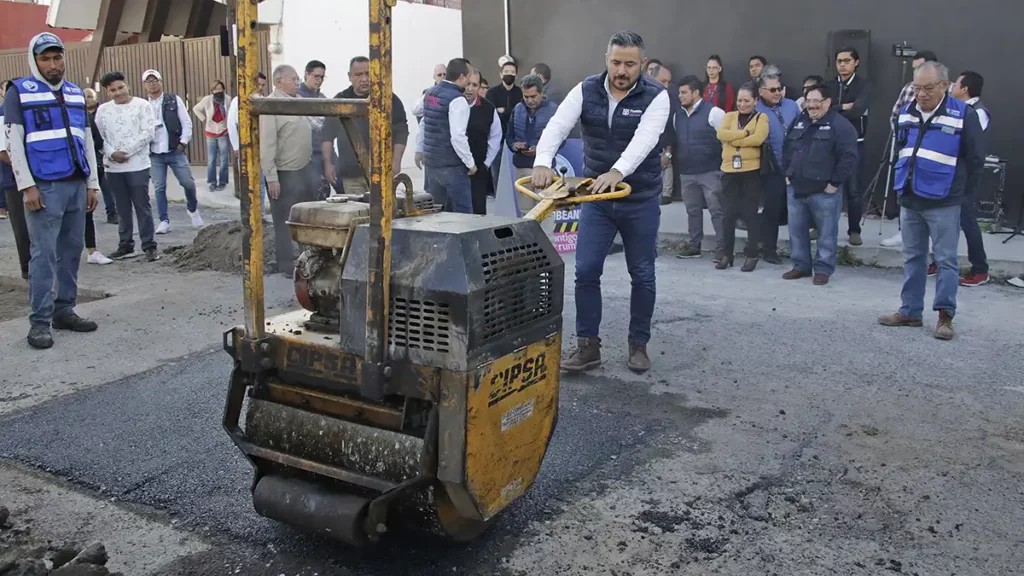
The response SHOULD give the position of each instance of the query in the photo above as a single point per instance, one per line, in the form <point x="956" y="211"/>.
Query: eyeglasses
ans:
<point x="927" y="87"/>
<point x="151" y="81"/>
<point x="814" y="101"/>
<point x="318" y="76"/>
<point x="844" y="60"/>
<point x="774" y="90"/>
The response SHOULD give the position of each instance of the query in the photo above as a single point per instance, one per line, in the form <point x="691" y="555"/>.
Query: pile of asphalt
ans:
<point x="22" y="555"/>
<point x="218" y="247"/>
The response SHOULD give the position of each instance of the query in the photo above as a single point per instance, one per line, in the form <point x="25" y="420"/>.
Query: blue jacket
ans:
<point x="819" y="153"/>
<point x="603" y="146"/>
<point x="777" y="127"/>
<point x="940" y="161"/>
<point x="524" y="127"/>
<point x="55" y="128"/>
<point x="438" y="151"/>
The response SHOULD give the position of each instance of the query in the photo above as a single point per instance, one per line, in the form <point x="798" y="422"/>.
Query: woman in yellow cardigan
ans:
<point x="742" y="133"/>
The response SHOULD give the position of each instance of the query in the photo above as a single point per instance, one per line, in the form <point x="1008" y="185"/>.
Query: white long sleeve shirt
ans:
<point x="645" y="139"/>
<point x="458" y="121"/>
<point x="233" y="123"/>
<point x="715" y="116"/>
<point x="493" y="140"/>
<point x="161" y="141"/>
<point x="126" y="128"/>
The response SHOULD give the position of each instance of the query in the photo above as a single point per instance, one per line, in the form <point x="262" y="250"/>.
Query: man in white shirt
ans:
<point x="439" y="72"/>
<point x="127" y="126"/>
<point x="442" y="144"/>
<point x="622" y="114"/>
<point x="170" y="140"/>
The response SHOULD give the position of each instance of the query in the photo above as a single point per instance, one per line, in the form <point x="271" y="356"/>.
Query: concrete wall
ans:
<point x="571" y="36"/>
<point x="483" y="36"/>
<point x="333" y="31"/>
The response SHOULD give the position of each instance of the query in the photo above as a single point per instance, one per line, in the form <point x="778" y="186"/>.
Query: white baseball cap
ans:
<point x="153" y="73"/>
<point x="506" y="59"/>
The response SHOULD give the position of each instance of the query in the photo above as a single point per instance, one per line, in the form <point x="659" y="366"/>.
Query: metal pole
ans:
<point x="249" y="144"/>
<point x="378" y="283"/>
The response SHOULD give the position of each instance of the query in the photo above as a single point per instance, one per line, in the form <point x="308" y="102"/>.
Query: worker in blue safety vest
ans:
<point x="941" y="157"/>
<point x="52" y="156"/>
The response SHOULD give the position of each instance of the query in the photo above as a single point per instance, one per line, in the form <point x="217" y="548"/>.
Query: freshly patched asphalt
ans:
<point x="780" y="431"/>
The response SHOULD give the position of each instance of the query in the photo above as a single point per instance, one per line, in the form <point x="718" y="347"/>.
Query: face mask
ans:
<point x="508" y="79"/>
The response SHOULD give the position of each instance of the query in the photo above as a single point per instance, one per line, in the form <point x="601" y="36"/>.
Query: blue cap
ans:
<point x="45" y="42"/>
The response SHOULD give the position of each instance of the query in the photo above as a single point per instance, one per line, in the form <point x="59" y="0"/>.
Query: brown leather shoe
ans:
<point x="586" y="357"/>
<point x="898" y="320"/>
<point x="820" y="279"/>
<point x="638" y="361"/>
<point x="944" y="329"/>
<point x="795" y="274"/>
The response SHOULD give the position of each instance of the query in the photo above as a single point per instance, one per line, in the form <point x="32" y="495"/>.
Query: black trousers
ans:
<point x="16" y="214"/>
<point x="741" y="192"/>
<point x="296" y="186"/>
<point x="773" y="191"/>
<point x="481" y="184"/>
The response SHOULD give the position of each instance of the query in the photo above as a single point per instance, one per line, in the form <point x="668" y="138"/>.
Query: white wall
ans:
<point x="333" y="31"/>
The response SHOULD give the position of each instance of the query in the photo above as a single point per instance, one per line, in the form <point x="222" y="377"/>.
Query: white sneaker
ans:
<point x="163" y="228"/>
<point x="893" y="242"/>
<point x="197" y="220"/>
<point x="97" y="257"/>
<point x="1018" y="281"/>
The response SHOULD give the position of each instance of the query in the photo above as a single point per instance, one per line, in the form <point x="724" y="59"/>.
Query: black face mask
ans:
<point x="508" y="79"/>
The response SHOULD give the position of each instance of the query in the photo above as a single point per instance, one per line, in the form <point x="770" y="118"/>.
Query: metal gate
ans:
<point x="188" y="66"/>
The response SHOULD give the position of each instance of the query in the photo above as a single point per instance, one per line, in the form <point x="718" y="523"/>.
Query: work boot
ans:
<point x="855" y="239"/>
<point x="586" y="357"/>
<point x="898" y="320"/>
<point x="39" y="337"/>
<point x="74" y="323"/>
<point x="689" y="252"/>
<point x="638" y="361"/>
<point x="944" y="329"/>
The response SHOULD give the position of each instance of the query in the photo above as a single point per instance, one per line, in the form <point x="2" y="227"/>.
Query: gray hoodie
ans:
<point x="15" y="129"/>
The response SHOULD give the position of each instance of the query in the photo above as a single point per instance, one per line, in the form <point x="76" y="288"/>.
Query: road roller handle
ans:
<point x="565" y="192"/>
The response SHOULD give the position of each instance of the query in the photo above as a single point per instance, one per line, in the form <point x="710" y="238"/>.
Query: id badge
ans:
<point x="737" y="161"/>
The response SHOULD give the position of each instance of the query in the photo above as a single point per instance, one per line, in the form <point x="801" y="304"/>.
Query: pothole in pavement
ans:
<point x="14" y="298"/>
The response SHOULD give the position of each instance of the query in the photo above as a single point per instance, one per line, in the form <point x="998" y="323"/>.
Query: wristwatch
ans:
<point x="668" y="154"/>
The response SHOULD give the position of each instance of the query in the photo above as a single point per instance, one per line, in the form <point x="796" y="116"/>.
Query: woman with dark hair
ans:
<point x="212" y="110"/>
<point x="742" y="133"/>
<point x="716" y="90"/>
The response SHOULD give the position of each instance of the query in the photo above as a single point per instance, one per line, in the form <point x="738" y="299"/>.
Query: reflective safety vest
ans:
<point x="928" y="151"/>
<point x="54" y="130"/>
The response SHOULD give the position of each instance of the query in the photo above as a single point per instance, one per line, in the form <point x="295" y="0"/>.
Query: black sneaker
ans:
<point x="39" y="337"/>
<point x="112" y="218"/>
<point x="151" y="254"/>
<point x="123" y="253"/>
<point x="74" y="323"/>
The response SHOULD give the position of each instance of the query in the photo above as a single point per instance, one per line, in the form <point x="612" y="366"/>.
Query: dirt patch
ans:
<point x="219" y="248"/>
<point x="14" y="298"/>
<point x="21" y="554"/>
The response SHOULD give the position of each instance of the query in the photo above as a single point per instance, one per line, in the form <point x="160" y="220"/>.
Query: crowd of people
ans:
<point x="730" y="149"/>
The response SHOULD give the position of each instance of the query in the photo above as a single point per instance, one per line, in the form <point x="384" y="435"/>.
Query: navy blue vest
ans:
<point x="54" y="129"/>
<point x="603" y="146"/>
<point x="171" y="121"/>
<point x="697" y="146"/>
<point x="438" y="151"/>
<point x="928" y="153"/>
<point x="528" y="129"/>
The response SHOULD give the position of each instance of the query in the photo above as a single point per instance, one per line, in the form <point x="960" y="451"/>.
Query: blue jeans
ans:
<point x="57" y="236"/>
<point x="942" y="225"/>
<point x="822" y="212"/>
<point x="450" y="188"/>
<point x="637" y="223"/>
<point x="178" y="164"/>
<point x="217" y="149"/>
<point x="972" y="232"/>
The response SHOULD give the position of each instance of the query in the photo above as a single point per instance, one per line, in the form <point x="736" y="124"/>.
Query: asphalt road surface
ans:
<point x="781" y="431"/>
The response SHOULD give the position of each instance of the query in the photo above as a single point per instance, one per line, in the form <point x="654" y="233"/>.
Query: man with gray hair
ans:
<point x="781" y="113"/>
<point x="286" y="153"/>
<point x="662" y="75"/>
<point x="528" y="121"/>
<point x="622" y="114"/>
<point x="941" y="158"/>
<point x="439" y="73"/>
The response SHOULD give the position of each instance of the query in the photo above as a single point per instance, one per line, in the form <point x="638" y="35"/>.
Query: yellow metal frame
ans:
<point x="545" y="206"/>
<point x="378" y="109"/>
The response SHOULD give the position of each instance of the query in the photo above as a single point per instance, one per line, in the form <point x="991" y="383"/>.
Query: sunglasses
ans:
<point x="774" y="90"/>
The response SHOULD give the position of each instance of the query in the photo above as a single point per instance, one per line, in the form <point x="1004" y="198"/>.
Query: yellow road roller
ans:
<point x="417" y="384"/>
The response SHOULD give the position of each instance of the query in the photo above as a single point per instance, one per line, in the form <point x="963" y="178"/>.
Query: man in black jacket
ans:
<point x="851" y="93"/>
<point x="818" y="158"/>
<point x="353" y="179"/>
